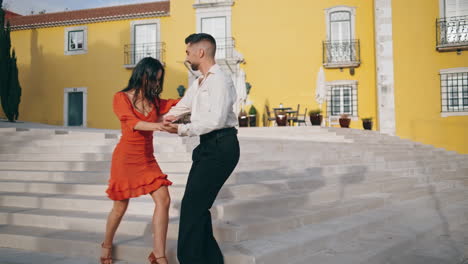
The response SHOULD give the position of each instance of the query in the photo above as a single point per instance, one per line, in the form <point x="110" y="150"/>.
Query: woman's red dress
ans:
<point x="134" y="170"/>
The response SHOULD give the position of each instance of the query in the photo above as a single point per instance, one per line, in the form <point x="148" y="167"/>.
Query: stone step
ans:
<point x="231" y="190"/>
<point x="390" y="245"/>
<point x="327" y="237"/>
<point x="15" y="256"/>
<point x="167" y="167"/>
<point x="160" y="157"/>
<point x="225" y="206"/>
<point x="84" y="149"/>
<point x="79" y="243"/>
<point x="142" y="205"/>
<point x="245" y="228"/>
<point x="272" y="249"/>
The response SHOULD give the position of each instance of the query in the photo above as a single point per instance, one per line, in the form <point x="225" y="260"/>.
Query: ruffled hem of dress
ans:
<point x="118" y="195"/>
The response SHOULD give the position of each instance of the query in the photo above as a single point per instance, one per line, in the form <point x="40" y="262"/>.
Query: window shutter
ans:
<point x="216" y="26"/>
<point x="456" y="8"/>
<point x="145" y="41"/>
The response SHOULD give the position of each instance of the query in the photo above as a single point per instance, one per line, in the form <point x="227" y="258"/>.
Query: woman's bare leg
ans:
<point x="162" y="201"/>
<point x="113" y="220"/>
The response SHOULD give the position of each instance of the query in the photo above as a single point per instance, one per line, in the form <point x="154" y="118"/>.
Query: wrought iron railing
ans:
<point x="133" y="53"/>
<point x="338" y="54"/>
<point x="452" y="33"/>
<point x="454" y="92"/>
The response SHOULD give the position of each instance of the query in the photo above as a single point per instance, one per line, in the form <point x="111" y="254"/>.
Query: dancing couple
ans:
<point x="135" y="171"/>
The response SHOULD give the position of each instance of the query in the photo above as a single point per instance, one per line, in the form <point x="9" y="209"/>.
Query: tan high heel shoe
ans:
<point x="107" y="259"/>
<point x="154" y="260"/>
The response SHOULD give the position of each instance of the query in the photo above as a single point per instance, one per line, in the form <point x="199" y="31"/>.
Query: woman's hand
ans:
<point x="160" y="127"/>
<point x="169" y="119"/>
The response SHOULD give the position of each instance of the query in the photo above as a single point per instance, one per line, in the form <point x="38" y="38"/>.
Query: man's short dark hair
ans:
<point x="199" y="37"/>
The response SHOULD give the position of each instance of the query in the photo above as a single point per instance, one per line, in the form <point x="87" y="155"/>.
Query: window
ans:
<point x="342" y="98"/>
<point x="341" y="49"/>
<point x="453" y="8"/>
<point x="454" y="90"/>
<point x="340" y="26"/>
<point x="76" y="40"/>
<point x="216" y="26"/>
<point x="145" y="42"/>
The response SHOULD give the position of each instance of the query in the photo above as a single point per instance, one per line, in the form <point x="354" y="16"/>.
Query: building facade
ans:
<point x="402" y="63"/>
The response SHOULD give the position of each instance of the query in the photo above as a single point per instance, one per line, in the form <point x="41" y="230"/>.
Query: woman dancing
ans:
<point x="134" y="170"/>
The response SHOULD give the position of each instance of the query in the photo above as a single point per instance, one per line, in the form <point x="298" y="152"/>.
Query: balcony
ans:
<point x="226" y="54"/>
<point x="134" y="53"/>
<point x="452" y="33"/>
<point x="341" y="54"/>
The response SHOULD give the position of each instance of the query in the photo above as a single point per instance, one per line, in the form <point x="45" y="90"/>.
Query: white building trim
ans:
<point x="350" y="9"/>
<point x="453" y="70"/>
<point x="145" y="22"/>
<point x="85" y="40"/>
<point x="354" y="95"/>
<point x="384" y="66"/>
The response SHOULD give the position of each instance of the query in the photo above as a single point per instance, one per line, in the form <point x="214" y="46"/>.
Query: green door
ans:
<point x="75" y="108"/>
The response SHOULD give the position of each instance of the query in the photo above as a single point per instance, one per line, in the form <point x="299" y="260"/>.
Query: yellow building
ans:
<point x="383" y="59"/>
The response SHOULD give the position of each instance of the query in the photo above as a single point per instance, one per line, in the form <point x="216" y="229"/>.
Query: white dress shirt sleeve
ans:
<point x="184" y="106"/>
<point x="220" y="100"/>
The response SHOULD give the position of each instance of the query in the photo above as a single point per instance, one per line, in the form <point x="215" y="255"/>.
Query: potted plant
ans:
<point x="243" y="120"/>
<point x="252" y="116"/>
<point x="281" y="118"/>
<point x="315" y="117"/>
<point x="367" y="123"/>
<point x="345" y="120"/>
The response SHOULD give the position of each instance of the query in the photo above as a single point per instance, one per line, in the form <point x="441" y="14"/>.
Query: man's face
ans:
<point x="192" y="56"/>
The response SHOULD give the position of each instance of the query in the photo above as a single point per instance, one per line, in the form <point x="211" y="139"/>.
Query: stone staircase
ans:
<point x="299" y="195"/>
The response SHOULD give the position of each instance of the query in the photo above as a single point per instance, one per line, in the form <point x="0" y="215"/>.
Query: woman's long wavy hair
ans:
<point x="144" y="81"/>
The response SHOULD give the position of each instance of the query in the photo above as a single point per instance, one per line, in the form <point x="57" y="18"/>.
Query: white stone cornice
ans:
<point x="342" y="82"/>
<point x="212" y="3"/>
<point x="453" y="70"/>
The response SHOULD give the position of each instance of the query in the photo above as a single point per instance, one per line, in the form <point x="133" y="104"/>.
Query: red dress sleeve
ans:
<point x="124" y="110"/>
<point x="166" y="104"/>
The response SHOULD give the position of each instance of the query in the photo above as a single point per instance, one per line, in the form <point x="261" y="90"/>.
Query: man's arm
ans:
<point x="221" y="101"/>
<point x="184" y="106"/>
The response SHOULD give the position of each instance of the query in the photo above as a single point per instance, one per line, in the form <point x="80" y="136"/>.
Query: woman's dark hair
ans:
<point x="144" y="81"/>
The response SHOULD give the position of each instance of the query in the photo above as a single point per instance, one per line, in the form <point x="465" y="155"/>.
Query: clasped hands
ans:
<point x="167" y="124"/>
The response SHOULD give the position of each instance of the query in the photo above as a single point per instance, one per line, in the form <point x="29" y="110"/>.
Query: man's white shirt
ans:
<point x="210" y="102"/>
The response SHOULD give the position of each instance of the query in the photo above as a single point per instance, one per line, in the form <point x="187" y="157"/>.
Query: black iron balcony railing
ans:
<point x="133" y="53"/>
<point x="452" y="33"/>
<point x="341" y="54"/>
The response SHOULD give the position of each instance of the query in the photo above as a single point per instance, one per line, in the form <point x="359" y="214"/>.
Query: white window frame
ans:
<point x="354" y="86"/>
<point x="210" y="9"/>
<point x="444" y="91"/>
<point x="215" y="12"/>
<point x="84" y="50"/>
<point x="84" y="90"/>
<point x="442" y="8"/>
<point x="144" y="22"/>
<point x="341" y="8"/>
